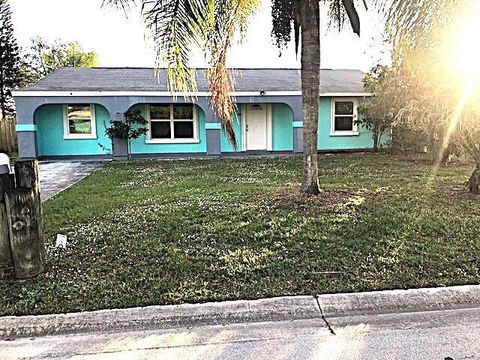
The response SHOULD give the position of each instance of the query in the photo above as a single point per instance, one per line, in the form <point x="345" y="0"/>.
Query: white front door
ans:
<point x="256" y="127"/>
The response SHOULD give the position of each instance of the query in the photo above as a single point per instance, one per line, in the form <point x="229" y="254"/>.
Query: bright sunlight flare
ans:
<point x="465" y="47"/>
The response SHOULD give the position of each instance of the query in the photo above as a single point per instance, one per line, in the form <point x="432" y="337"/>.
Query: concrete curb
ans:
<point x="400" y="301"/>
<point x="166" y="316"/>
<point x="273" y="309"/>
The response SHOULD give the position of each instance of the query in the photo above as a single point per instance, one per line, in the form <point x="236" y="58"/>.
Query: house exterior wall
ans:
<point x="226" y="146"/>
<point x="140" y="146"/>
<point x="50" y="134"/>
<point x="48" y="130"/>
<point x="282" y="128"/>
<point x="344" y="142"/>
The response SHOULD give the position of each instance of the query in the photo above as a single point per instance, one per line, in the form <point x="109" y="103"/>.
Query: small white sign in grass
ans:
<point x="61" y="241"/>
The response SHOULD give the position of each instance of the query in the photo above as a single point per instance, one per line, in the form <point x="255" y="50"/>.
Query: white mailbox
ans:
<point x="4" y="164"/>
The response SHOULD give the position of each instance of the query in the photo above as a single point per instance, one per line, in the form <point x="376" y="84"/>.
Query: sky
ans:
<point x="120" y="41"/>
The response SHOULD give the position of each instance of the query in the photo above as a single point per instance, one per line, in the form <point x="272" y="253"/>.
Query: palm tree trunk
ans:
<point x="309" y="22"/>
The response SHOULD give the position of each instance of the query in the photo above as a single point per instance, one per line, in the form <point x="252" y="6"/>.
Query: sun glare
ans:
<point x="466" y="48"/>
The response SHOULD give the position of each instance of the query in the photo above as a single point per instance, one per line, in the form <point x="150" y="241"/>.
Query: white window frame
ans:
<point x="354" y="131"/>
<point x="172" y="140"/>
<point x="66" y="125"/>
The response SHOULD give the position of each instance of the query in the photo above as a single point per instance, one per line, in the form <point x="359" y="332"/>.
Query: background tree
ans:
<point x="391" y="88"/>
<point x="378" y="111"/>
<point x="10" y="62"/>
<point x="44" y="57"/>
<point x="178" y="25"/>
<point x="435" y="52"/>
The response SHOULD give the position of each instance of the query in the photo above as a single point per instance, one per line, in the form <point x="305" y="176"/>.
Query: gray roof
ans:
<point x="144" y="79"/>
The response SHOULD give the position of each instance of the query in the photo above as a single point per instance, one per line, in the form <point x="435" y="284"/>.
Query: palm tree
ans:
<point x="176" y="25"/>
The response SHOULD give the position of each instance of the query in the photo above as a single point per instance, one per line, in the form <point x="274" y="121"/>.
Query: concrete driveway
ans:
<point x="56" y="176"/>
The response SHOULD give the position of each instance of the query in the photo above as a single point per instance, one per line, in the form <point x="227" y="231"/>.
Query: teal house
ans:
<point x="65" y="114"/>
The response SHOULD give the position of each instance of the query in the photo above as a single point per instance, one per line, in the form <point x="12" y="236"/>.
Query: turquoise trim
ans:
<point x="213" y="126"/>
<point x="298" y="124"/>
<point x="26" y="127"/>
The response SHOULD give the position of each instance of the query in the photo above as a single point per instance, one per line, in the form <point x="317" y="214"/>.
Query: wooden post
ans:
<point x="26" y="175"/>
<point x="28" y="251"/>
<point x="7" y="182"/>
<point x="24" y="212"/>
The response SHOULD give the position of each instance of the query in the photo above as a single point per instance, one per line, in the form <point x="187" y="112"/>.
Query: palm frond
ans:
<point x="352" y="15"/>
<point x="412" y="19"/>
<point x="175" y="27"/>
<point x="415" y="26"/>
<point x="230" y="17"/>
<point x="342" y="11"/>
<point x="285" y="18"/>
<point x="119" y="4"/>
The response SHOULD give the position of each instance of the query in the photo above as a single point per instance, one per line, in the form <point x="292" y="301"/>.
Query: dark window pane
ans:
<point x="183" y="129"/>
<point x="160" y="129"/>
<point x="343" y="108"/>
<point x="79" y="111"/>
<point x="159" y="111"/>
<point x="343" y="123"/>
<point x="183" y="111"/>
<point x="79" y="126"/>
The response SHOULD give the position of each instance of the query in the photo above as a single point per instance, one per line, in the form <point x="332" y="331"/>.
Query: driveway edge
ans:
<point x="243" y="311"/>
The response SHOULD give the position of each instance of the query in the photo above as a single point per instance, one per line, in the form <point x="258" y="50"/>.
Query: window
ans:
<point x="172" y="123"/>
<point x="344" y="116"/>
<point x="79" y="121"/>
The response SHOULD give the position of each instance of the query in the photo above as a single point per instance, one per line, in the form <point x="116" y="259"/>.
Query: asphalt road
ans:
<point x="453" y="334"/>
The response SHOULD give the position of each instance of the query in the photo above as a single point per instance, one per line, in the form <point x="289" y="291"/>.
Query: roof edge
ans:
<point x="200" y="68"/>
<point x="50" y="93"/>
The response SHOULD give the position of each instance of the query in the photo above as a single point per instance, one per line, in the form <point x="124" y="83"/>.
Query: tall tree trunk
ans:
<point x="376" y="139"/>
<point x="473" y="184"/>
<point x="469" y="144"/>
<point x="310" y="25"/>
<point x="3" y="100"/>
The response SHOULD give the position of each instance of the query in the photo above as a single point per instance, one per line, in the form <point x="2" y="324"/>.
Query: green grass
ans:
<point x="168" y="232"/>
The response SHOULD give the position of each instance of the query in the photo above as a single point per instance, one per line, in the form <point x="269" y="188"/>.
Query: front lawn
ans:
<point x="165" y="232"/>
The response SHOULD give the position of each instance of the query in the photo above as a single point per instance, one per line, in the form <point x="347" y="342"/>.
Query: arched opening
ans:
<point x="173" y="128"/>
<point x="263" y="125"/>
<point x="72" y="130"/>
